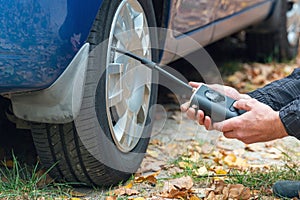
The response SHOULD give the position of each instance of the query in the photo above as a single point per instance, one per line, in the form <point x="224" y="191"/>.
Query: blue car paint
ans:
<point x="39" y="38"/>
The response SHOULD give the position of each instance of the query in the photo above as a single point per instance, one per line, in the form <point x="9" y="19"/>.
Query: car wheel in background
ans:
<point x="281" y="43"/>
<point x="106" y="143"/>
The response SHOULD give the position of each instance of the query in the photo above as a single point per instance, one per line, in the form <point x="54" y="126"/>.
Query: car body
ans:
<point x="46" y="51"/>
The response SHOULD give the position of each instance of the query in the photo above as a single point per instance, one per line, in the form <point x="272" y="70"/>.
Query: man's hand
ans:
<point x="199" y="116"/>
<point x="259" y="124"/>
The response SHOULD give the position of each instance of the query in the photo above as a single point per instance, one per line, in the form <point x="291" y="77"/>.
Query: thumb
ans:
<point x="245" y="104"/>
<point x="195" y="84"/>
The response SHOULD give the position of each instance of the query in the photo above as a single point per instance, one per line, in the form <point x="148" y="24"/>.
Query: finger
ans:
<point x="225" y="126"/>
<point x="207" y="123"/>
<point x="191" y="113"/>
<point x="229" y="134"/>
<point x="184" y="107"/>
<point x="245" y="104"/>
<point x="218" y="126"/>
<point x="200" y="117"/>
<point x="195" y="84"/>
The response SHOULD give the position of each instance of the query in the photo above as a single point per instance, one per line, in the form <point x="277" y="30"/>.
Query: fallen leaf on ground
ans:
<point x="124" y="191"/>
<point x="129" y="185"/>
<point x="220" y="190"/>
<point x="152" y="153"/>
<point x="178" y="188"/>
<point x="185" y="165"/>
<point x="111" y="198"/>
<point x="9" y="163"/>
<point x="151" y="178"/>
<point x="45" y="178"/>
<point x="201" y="171"/>
<point x="77" y="194"/>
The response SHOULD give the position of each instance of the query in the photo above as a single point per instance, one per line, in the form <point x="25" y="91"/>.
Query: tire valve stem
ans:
<point x="153" y="66"/>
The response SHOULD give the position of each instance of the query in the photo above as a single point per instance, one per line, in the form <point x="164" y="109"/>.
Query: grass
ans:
<point x="265" y="178"/>
<point x="24" y="182"/>
<point x="256" y="179"/>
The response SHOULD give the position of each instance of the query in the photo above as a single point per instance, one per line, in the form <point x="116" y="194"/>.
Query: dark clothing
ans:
<point x="283" y="96"/>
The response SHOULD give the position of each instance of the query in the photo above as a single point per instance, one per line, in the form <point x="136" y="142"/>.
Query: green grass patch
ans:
<point x="265" y="178"/>
<point x="24" y="182"/>
<point x="255" y="179"/>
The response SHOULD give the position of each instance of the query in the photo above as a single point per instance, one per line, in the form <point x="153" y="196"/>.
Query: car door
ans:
<point x="227" y="8"/>
<point x="234" y="15"/>
<point x="192" y="18"/>
<point x="190" y="15"/>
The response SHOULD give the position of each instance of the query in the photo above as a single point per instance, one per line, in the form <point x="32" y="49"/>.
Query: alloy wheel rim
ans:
<point x="128" y="83"/>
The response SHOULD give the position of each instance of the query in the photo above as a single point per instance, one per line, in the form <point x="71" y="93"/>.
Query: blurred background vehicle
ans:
<point x="87" y="107"/>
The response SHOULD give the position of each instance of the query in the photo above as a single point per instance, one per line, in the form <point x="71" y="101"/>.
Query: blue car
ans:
<point x="88" y="107"/>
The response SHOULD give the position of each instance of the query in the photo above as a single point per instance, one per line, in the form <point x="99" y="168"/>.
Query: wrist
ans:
<point x="280" y="130"/>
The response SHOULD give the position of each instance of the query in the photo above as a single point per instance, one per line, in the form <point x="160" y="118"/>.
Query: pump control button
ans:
<point x="214" y="96"/>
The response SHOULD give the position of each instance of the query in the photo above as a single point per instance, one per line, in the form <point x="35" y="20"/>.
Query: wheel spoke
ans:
<point x="119" y="128"/>
<point x="139" y="24"/>
<point x="142" y="78"/>
<point x="128" y="17"/>
<point x="128" y="129"/>
<point x="115" y="86"/>
<point x="136" y="100"/>
<point x="129" y="136"/>
<point x="146" y="44"/>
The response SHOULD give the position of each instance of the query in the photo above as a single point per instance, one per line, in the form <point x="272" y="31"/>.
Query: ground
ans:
<point x="180" y="148"/>
<point x="186" y="161"/>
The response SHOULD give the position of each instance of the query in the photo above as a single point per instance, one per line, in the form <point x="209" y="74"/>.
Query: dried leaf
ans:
<point x="9" y="163"/>
<point x="45" y="179"/>
<point x="211" y="196"/>
<point x="111" y="198"/>
<point x="194" y="156"/>
<point x="139" y="198"/>
<point x="219" y="187"/>
<point x="124" y="191"/>
<point x="77" y="194"/>
<point x="185" y="182"/>
<point x="149" y="178"/>
<point x="201" y="171"/>
<point x="129" y="185"/>
<point x="178" y="194"/>
<point x="153" y="154"/>
<point x="238" y="191"/>
<point x="185" y="165"/>
<point x="220" y="171"/>
<point x="230" y="159"/>
<point x="194" y="197"/>
<point x="175" y="186"/>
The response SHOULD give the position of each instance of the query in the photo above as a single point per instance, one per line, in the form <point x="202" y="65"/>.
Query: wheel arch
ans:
<point x="162" y="15"/>
<point x="61" y="102"/>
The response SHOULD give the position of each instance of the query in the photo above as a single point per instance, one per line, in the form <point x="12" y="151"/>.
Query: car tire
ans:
<point x="281" y="41"/>
<point x="106" y="143"/>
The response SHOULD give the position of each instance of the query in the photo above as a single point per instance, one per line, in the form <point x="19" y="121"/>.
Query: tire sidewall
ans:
<point x="103" y="147"/>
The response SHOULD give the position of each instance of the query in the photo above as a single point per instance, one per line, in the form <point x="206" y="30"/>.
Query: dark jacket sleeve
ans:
<point x="290" y="117"/>
<point x="283" y="96"/>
